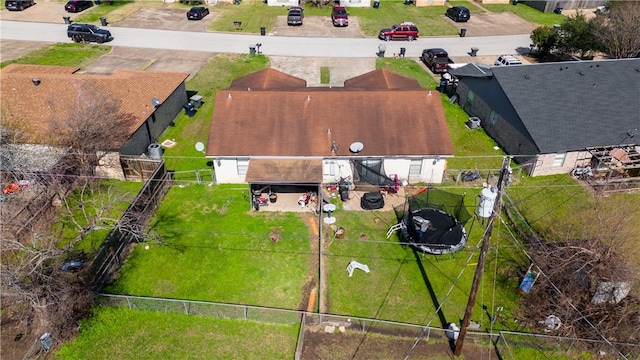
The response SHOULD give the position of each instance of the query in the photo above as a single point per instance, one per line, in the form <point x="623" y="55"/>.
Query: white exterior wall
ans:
<point x="285" y="3"/>
<point x="227" y="172"/>
<point x="544" y="163"/>
<point x="357" y="3"/>
<point x="341" y="168"/>
<point x="430" y="172"/>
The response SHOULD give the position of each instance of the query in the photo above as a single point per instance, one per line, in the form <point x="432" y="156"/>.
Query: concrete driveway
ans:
<point x="317" y="26"/>
<point x="42" y="11"/>
<point x="168" y="19"/>
<point x="490" y="23"/>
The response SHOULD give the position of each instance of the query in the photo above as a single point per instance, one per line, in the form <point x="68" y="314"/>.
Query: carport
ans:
<point x="288" y="180"/>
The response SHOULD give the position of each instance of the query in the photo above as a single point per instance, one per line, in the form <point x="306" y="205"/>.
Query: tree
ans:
<point x="545" y="38"/>
<point x="576" y="267"/>
<point x="617" y="29"/>
<point x="90" y="128"/>
<point x="577" y="36"/>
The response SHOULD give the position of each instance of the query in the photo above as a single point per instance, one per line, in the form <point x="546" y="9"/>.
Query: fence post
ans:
<point x="186" y="309"/>
<point x="246" y="311"/>
<point x="129" y="303"/>
<point x="198" y="178"/>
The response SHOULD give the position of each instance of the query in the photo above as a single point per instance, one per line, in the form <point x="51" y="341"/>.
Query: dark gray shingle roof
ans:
<point x="575" y="105"/>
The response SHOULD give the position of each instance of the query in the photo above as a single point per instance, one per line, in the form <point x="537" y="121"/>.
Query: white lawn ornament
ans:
<point x="356" y="265"/>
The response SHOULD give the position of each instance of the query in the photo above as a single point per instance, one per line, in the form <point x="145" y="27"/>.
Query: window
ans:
<point x="493" y="118"/>
<point x="558" y="160"/>
<point x="470" y="97"/>
<point x="415" y="168"/>
<point x="329" y="169"/>
<point x="243" y="165"/>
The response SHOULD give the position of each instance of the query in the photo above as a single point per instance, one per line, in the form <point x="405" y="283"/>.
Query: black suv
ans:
<point x="88" y="33"/>
<point x="74" y="6"/>
<point x="18" y="5"/>
<point x="458" y="14"/>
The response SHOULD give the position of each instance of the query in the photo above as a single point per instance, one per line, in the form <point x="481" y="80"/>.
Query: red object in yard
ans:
<point x="11" y="189"/>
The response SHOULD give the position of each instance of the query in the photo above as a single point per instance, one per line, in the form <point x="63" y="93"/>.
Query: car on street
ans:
<point x="405" y="31"/>
<point x="339" y="16"/>
<point x="197" y="13"/>
<point x="88" y="33"/>
<point x="295" y="16"/>
<point x="506" y="60"/>
<point x="458" y="14"/>
<point x="437" y="59"/>
<point x="18" y="5"/>
<point x="74" y="6"/>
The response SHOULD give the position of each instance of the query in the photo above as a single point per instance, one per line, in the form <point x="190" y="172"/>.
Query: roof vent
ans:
<point x="36" y="81"/>
<point x="155" y="102"/>
<point x="229" y="96"/>
<point x="308" y="97"/>
<point x="581" y="73"/>
<point x="527" y="77"/>
<point x="429" y="93"/>
<point x="248" y="89"/>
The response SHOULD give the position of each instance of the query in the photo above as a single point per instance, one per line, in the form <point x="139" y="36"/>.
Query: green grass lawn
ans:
<point x="217" y="74"/>
<point x="528" y="13"/>
<point x="111" y="197"/>
<point x="72" y="54"/>
<point x="152" y="335"/>
<point x="214" y="250"/>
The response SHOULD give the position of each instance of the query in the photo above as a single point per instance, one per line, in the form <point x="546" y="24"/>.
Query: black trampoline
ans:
<point x="427" y="225"/>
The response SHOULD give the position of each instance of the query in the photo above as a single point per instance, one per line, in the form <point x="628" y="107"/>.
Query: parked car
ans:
<point x="88" y="33"/>
<point x="74" y="6"/>
<point x="436" y="59"/>
<point x="18" y="5"/>
<point x="197" y="13"/>
<point x="505" y="60"/>
<point x="458" y="14"/>
<point x="406" y="30"/>
<point x="295" y="16"/>
<point x="339" y="16"/>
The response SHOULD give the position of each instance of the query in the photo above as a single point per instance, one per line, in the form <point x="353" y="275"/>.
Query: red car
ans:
<point x="405" y="31"/>
<point x="339" y="16"/>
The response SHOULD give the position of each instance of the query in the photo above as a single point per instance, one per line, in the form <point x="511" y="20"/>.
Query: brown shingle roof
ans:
<point x="305" y="121"/>
<point x="382" y="79"/>
<point x="31" y="106"/>
<point x="268" y="79"/>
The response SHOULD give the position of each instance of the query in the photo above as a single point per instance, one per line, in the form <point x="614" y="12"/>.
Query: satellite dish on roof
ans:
<point x="200" y="146"/>
<point x="356" y="147"/>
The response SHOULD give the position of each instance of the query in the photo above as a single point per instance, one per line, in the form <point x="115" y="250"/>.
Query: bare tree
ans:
<point x="617" y="29"/>
<point x="575" y="270"/>
<point x="38" y="291"/>
<point x="90" y="128"/>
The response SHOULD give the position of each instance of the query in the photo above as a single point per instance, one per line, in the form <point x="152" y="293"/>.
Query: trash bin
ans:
<point x="403" y="51"/>
<point x="376" y="4"/>
<point x="408" y="2"/>
<point x="252" y="49"/>
<point x="67" y="19"/>
<point x="189" y="109"/>
<point x="474" y="51"/>
<point x="558" y="10"/>
<point x="103" y="21"/>
<point x="514" y="2"/>
<point x="382" y="48"/>
<point x="263" y="31"/>
<point x="463" y="32"/>
<point x="196" y="100"/>
<point x="236" y="2"/>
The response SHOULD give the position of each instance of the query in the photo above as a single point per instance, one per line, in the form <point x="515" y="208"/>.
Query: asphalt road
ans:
<point x="271" y="45"/>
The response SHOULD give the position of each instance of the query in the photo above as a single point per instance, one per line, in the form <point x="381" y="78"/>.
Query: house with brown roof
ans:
<point x="270" y="128"/>
<point x="33" y="96"/>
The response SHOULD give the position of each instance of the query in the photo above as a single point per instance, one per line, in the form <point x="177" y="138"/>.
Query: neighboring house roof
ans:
<point x="32" y="106"/>
<point x="389" y="113"/>
<point x="267" y="79"/>
<point x="472" y="70"/>
<point x="574" y="105"/>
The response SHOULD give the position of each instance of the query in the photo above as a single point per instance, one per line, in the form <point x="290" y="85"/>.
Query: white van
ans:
<point x="504" y="60"/>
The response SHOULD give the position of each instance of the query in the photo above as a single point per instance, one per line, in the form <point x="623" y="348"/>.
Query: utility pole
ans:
<point x="481" y="260"/>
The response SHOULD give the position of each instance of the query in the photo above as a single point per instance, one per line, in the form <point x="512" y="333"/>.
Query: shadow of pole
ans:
<point x="434" y="298"/>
